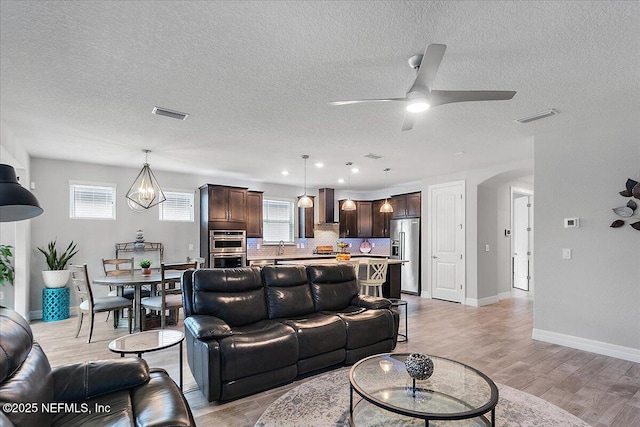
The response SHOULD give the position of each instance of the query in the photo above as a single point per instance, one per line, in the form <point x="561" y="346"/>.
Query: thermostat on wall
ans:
<point x="571" y="222"/>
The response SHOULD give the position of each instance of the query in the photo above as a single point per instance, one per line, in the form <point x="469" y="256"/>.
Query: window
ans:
<point x="92" y="200"/>
<point x="277" y="216"/>
<point x="177" y="207"/>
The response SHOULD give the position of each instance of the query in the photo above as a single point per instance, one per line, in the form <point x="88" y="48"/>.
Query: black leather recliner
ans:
<point x="109" y="392"/>
<point x="251" y="329"/>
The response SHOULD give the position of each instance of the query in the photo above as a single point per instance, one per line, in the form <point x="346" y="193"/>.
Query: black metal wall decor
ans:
<point x="629" y="210"/>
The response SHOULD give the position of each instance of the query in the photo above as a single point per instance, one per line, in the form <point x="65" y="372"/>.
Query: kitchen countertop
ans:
<point x="332" y="260"/>
<point x="311" y="257"/>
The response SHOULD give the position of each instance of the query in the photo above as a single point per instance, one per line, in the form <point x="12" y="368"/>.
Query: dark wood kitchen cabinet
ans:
<point x="356" y="223"/>
<point x="225" y="207"/>
<point x="380" y="220"/>
<point x="254" y="214"/>
<point x="363" y="219"/>
<point x="348" y="222"/>
<point x="406" y="205"/>
<point x="305" y="220"/>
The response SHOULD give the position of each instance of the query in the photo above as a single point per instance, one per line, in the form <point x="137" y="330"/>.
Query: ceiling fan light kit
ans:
<point x="421" y="96"/>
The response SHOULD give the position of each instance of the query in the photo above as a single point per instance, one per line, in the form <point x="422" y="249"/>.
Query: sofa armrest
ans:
<point x="82" y="381"/>
<point x="159" y="402"/>
<point x="205" y="327"/>
<point x="371" y="302"/>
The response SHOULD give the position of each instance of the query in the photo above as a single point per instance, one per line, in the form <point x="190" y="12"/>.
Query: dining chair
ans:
<point x="90" y="305"/>
<point x="376" y="275"/>
<point x="170" y="297"/>
<point x="198" y="260"/>
<point x="119" y="267"/>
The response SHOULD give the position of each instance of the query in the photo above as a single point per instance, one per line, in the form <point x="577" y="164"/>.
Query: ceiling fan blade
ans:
<point x="439" y="97"/>
<point x="359" y="101"/>
<point x="407" y="123"/>
<point x="429" y="66"/>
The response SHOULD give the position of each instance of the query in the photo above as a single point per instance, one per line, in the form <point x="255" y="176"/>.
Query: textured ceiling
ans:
<point x="79" y="81"/>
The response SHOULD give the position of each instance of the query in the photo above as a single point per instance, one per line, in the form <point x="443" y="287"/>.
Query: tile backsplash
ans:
<point x="304" y="247"/>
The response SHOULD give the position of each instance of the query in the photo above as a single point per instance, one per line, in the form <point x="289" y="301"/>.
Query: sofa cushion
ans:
<point x="174" y="410"/>
<point x="318" y="333"/>
<point x="235" y="295"/>
<point x="288" y="292"/>
<point x="333" y="287"/>
<point x="119" y="412"/>
<point x="15" y="341"/>
<point x="368" y="327"/>
<point x="31" y="383"/>
<point x="260" y="347"/>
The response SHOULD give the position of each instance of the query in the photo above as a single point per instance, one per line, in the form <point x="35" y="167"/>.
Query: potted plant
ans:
<point x="57" y="276"/>
<point x="6" y="269"/>
<point x="145" y="264"/>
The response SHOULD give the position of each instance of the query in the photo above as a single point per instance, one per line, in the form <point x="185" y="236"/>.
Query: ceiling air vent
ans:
<point x="170" y="113"/>
<point x="373" y="156"/>
<point x="537" y="116"/>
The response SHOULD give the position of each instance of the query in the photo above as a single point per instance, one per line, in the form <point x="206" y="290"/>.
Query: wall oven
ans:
<point x="227" y="248"/>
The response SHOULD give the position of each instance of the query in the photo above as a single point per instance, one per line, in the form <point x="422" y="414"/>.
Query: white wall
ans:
<point x="16" y="234"/>
<point x="591" y="301"/>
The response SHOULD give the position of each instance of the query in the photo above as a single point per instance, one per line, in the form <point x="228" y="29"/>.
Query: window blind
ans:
<point x="278" y="223"/>
<point x="92" y="201"/>
<point x="177" y="207"/>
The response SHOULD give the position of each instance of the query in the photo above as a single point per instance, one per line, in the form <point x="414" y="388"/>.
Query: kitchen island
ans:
<point x="391" y="287"/>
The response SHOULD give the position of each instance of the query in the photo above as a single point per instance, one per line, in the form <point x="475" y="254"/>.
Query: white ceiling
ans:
<point x="79" y="81"/>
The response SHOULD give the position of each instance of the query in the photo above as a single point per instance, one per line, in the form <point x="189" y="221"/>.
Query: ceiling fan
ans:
<point x="421" y="95"/>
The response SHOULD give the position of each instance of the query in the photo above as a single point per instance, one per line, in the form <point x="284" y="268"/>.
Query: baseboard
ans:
<point x="425" y="294"/>
<point x="37" y="314"/>
<point x="599" y="347"/>
<point x="504" y="295"/>
<point x="482" y="301"/>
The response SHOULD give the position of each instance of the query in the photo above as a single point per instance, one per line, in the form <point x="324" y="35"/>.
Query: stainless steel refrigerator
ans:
<point x="405" y="244"/>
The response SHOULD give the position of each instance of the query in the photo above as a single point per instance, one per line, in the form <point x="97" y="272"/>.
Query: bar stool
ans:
<point x="376" y="275"/>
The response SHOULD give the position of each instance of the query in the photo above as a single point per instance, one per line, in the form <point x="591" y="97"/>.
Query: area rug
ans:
<point x="324" y="401"/>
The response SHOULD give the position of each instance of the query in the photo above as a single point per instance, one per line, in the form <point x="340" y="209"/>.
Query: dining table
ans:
<point x="137" y="280"/>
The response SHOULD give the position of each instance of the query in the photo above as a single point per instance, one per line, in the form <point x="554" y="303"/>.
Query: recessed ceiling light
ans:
<point x="319" y="165"/>
<point x="355" y="170"/>
<point x="285" y="172"/>
<point x="341" y="180"/>
<point x="170" y="113"/>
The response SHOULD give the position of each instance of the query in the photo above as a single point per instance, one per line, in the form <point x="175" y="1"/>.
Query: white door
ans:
<point x="521" y="247"/>
<point x="447" y="243"/>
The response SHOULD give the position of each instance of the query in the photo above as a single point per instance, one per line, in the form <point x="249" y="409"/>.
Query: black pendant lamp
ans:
<point x="16" y="202"/>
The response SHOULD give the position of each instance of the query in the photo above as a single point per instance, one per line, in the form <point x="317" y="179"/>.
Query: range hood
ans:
<point x="326" y="207"/>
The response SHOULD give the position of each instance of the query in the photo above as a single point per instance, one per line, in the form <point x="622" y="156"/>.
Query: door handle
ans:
<point x="434" y="257"/>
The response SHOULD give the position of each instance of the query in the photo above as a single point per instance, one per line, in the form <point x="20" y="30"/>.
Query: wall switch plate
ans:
<point x="258" y="246"/>
<point x="373" y="245"/>
<point x="571" y="222"/>
<point x="566" y="253"/>
<point x="486" y="248"/>
<point x="1" y="295"/>
<point x="190" y="246"/>
<point x="507" y="232"/>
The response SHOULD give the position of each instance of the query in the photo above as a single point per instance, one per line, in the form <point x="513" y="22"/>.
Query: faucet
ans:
<point x="280" y="248"/>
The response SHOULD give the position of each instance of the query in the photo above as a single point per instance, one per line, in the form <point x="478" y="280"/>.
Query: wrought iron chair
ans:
<point x="90" y="305"/>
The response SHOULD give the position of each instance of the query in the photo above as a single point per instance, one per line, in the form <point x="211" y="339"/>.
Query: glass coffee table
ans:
<point x="148" y="341"/>
<point x="455" y="395"/>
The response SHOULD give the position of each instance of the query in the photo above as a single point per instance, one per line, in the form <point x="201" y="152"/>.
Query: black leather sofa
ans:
<point x="251" y="329"/>
<point x="118" y="392"/>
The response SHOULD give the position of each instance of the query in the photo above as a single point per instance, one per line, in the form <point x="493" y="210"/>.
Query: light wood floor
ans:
<point x="495" y="339"/>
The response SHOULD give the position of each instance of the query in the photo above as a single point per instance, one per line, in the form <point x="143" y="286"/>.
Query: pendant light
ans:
<point x="145" y="191"/>
<point x="386" y="206"/>
<point x="16" y="202"/>
<point x="305" y="201"/>
<point x="349" y="205"/>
